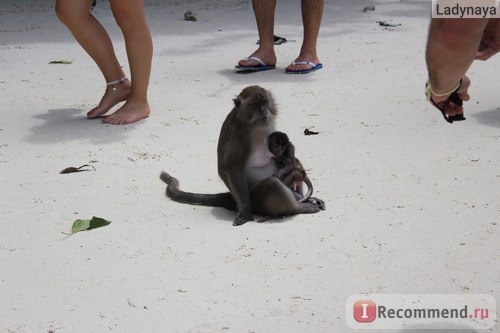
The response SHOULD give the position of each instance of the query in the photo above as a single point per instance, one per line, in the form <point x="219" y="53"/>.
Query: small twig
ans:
<point x="385" y="24"/>
<point x="307" y="131"/>
<point x="73" y="169"/>
<point x="63" y="62"/>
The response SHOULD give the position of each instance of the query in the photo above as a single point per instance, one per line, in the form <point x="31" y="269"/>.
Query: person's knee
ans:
<point x="63" y="11"/>
<point x="126" y="17"/>
<point x="458" y="32"/>
<point x="66" y="12"/>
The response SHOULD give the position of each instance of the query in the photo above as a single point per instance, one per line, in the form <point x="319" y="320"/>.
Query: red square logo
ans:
<point x="365" y="311"/>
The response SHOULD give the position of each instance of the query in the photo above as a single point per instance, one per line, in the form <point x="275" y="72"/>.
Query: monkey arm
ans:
<point x="283" y="171"/>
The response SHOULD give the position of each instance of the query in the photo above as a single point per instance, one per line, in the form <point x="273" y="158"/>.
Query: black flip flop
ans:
<point x="455" y="100"/>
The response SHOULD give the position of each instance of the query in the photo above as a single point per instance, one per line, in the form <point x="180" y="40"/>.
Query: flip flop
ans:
<point x="315" y="67"/>
<point x="262" y="66"/>
<point x="453" y="98"/>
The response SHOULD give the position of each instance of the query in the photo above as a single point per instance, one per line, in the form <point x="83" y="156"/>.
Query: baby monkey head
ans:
<point x="279" y="144"/>
<point x="255" y="106"/>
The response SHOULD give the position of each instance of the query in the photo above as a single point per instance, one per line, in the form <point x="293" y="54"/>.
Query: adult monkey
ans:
<point x="245" y="165"/>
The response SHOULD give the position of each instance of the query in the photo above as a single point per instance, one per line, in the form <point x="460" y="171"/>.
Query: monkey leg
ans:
<point x="272" y="197"/>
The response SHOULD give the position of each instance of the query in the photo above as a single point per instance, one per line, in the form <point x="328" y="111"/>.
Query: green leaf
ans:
<point x="80" y="225"/>
<point x="97" y="222"/>
<point x="89" y="224"/>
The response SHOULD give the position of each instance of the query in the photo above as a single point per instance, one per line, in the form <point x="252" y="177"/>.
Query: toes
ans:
<point x="299" y="67"/>
<point x="248" y="63"/>
<point x="110" y="120"/>
<point x="117" y="119"/>
<point x="94" y="114"/>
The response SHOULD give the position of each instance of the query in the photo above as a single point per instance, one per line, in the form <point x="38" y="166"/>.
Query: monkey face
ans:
<point x="276" y="149"/>
<point x="278" y="144"/>
<point x="260" y="113"/>
<point x="256" y="106"/>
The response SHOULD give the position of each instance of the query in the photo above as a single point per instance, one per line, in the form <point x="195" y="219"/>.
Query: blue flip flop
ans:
<point x="262" y="66"/>
<point x="314" y="67"/>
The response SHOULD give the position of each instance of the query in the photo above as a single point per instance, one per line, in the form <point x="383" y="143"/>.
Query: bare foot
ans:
<point x="129" y="113"/>
<point x="269" y="57"/>
<point x="111" y="98"/>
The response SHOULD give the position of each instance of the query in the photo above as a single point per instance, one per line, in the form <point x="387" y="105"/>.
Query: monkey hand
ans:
<point x="242" y="220"/>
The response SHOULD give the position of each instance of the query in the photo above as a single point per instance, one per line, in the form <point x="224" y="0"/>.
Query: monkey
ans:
<point x="245" y="165"/>
<point x="291" y="172"/>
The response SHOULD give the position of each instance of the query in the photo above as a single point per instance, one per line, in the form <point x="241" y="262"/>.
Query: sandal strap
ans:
<point x="310" y="63"/>
<point x="259" y="60"/>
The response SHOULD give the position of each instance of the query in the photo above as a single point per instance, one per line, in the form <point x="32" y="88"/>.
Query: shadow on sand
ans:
<point x="489" y="117"/>
<point x="60" y="125"/>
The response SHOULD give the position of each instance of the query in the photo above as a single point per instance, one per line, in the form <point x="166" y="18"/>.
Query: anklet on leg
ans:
<point x="113" y="84"/>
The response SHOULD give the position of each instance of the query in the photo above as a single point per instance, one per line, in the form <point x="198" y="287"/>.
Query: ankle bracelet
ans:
<point x="114" y="83"/>
<point x="429" y="92"/>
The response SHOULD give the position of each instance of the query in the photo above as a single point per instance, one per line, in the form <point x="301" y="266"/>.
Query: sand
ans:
<point x="412" y="202"/>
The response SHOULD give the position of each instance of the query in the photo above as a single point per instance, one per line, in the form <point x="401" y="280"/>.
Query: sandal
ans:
<point x="314" y="67"/>
<point x="453" y="98"/>
<point x="262" y="66"/>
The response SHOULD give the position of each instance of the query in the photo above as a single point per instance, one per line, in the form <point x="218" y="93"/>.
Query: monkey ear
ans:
<point x="237" y="102"/>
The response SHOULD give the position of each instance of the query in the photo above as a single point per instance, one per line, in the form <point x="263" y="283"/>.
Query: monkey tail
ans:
<point x="213" y="200"/>
<point x="309" y="190"/>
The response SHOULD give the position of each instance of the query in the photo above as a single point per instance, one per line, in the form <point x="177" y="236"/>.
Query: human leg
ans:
<point x="94" y="39"/>
<point x="130" y="17"/>
<point x="451" y="48"/>
<point x="264" y="17"/>
<point x="490" y="43"/>
<point x="312" y="13"/>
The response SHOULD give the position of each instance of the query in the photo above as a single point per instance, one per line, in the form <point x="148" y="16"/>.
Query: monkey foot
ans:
<point x="317" y="202"/>
<point x="129" y="113"/>
<point x="242" y="220"/>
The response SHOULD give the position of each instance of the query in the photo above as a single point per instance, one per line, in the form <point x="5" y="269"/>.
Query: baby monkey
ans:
<point x="291" y="172"/>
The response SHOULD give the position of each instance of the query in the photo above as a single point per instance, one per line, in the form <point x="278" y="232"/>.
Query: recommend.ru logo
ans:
<point x="421" y="311"/>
